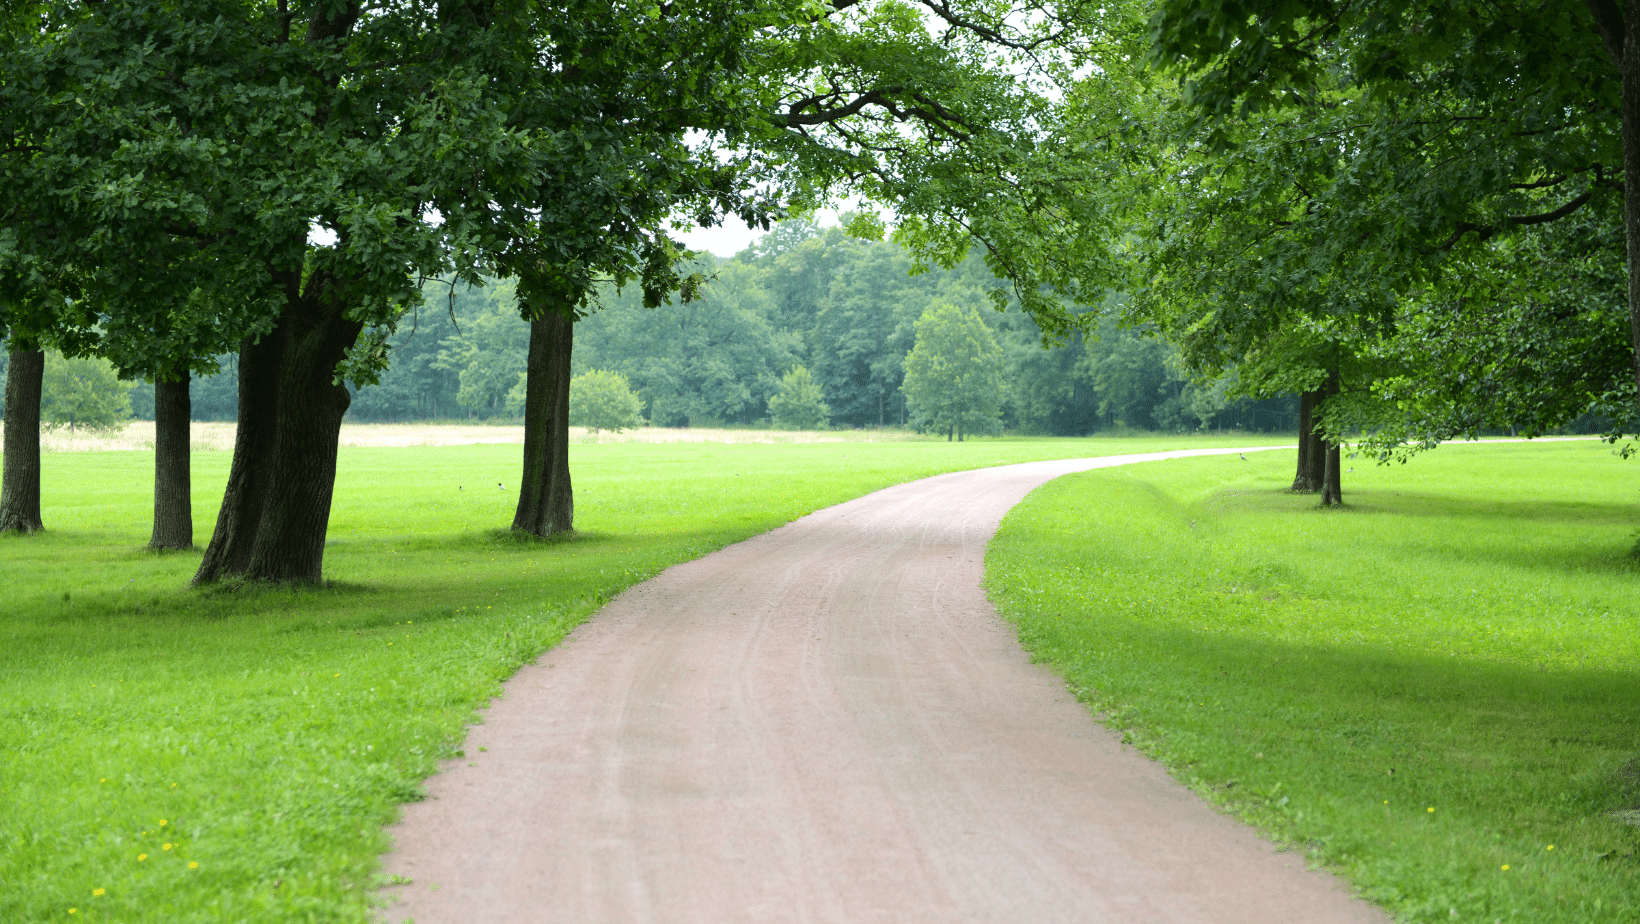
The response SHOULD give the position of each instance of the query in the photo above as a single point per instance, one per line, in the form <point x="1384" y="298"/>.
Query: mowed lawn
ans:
<point x="175" y="755"/>
<point x="1434" y="691"/>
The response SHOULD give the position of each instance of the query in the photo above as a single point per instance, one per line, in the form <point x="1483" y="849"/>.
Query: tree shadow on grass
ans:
<point x="1368" y="723"/>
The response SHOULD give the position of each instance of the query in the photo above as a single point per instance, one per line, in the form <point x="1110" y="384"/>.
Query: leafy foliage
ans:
<point x="799" y="404"/>
<point x="83" y="393"/>
<point x="602" y="400"/>
<point x="1375" y="189"/>
<point x="953" y="376"/>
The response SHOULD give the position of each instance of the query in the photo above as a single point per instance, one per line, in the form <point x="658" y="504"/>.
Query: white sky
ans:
<point x="725" y="240"/>
<point x="733" y="236"/>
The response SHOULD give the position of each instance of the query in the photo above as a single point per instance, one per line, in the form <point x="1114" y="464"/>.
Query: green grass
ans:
<point x="1436" y="682"/>
<point x="267" y="735"/>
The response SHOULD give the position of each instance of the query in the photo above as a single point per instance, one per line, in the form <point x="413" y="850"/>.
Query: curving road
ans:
<point x="828" y="723"/>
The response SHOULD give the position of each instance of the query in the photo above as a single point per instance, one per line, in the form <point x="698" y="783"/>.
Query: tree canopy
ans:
<point x="953" y="375"/>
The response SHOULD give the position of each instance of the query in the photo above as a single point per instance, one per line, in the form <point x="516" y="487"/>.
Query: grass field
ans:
<point x="172" y="755"/>
<point x="1434" y="691"/>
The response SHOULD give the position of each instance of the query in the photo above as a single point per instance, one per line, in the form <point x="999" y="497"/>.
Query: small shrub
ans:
<point x="799" y="404"/>
<point x="602" y="400"/>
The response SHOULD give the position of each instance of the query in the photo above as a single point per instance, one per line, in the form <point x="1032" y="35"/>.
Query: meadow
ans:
<point x="1434" y="691"/>
<point x="170" y="754"/>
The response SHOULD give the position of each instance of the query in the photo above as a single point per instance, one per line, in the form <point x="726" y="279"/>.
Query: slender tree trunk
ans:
<point x="1618" y="25"/>
<point x="173" y="486"/>
<point x="546" y="500"/>
<point x="1332" y="490"/>
<point x="20" y="485"/>
<point x="949" y="432"/>
<point x="1311" y="446"/>
<point x="1628" y="64"/>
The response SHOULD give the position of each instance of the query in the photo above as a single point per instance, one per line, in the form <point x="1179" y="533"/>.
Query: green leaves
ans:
<point x="83" y="394"/>
<point x="799" y="404"/>
<point x="954" y="375"/>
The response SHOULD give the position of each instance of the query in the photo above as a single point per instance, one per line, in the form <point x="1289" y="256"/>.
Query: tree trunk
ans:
<point x="546" y="501"/>
<point x="277" y="506"/>
<point x="20" y="485"/>
<point x="229" y="551"/>
<point x="1312" y="447"/>
<point x="173" y="485"/>
<point x="290" y="542"/>
<point x="1332" y="490"/>
<point x="1618" y="25"/>
<point x="1628" y="64"/>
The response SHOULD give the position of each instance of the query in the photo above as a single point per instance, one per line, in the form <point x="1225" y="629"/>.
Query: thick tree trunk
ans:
<point x="277" y="507"/>
<point x="173" y="484"/>
<point x="546" y="501"/>
<point x="20" y="485"/>
<point x="290" y="542"/>
<point x="1312" y="447"/>
<point x="229" y="551"/>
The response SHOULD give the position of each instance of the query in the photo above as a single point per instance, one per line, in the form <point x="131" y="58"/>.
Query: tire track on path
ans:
<point x="828" y="723"/>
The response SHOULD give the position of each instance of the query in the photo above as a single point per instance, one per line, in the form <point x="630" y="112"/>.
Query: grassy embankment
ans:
<point x="173" y="755"/>
<point x="1434" y="691"/>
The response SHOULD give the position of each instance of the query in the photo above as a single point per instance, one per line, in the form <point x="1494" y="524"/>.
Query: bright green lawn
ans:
<point x="1424" y="690"/>
<point x="268" y="735"/>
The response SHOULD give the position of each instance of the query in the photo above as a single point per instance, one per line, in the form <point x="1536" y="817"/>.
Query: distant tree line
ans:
<point x="842" y="310"/>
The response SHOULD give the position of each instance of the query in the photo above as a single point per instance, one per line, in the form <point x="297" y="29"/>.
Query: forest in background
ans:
<point x="802" y="295"/>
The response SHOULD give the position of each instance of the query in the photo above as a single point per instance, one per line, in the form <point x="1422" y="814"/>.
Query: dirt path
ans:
<point x="828" y="723"/>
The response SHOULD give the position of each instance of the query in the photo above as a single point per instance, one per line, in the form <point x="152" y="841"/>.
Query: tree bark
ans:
<point x="546" y="500"/>
<point x="229" y="551"/>
<point x="1617" y="22"/>
<point x="173" y="484"/>
<point x="20" y="485"/>
<point x="1628" y="64"/>
<point x="1332" y="489"/>
<point x="1312" y="447"/>
<point x="277" y="508"/>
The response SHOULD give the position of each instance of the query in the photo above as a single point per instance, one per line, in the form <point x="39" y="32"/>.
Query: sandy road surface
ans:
<point x="828" y="723"/>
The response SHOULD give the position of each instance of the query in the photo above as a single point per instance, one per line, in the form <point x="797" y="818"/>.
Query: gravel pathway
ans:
<point x="828" y="723"/>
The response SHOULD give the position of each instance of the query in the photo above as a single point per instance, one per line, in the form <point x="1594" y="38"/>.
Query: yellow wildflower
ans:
<point x="193" y="864"/>
<point x="167" y="847"/>
<point x="1506" y="867"/>
<point x="98" y="891"/>
<point x="141" y="857"/>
